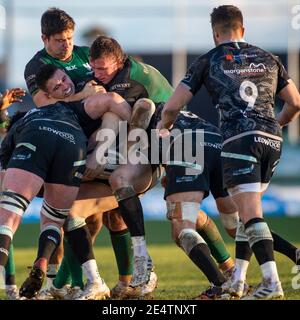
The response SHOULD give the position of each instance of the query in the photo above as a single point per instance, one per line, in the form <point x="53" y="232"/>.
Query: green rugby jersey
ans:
<point x="140" y="80"/>
<point x="78" y="68"/>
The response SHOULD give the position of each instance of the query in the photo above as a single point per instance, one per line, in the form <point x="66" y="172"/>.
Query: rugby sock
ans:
<point x="132" y="213"/>
<point x="63" y="275"/>
<point x="261" y="242"/>
<point x="210" y="233"/>
<point x="52" y="270"/>
<point x="49" y="240"/>
<point x="131" y="210"/>
<point x="81" y="243"/>
<point x="139" y="246"/>
<point x="10" y="269"/>
<point x="283" y="246"/>
<point x="200" y="255"/>
<point x="121" y="243"/>
<point x="197" y="250"/>
<point x="91" y="272"/>
<point x="243" y="254"/>
<point x="6" y="235"/>
<point x="74" y="266"/>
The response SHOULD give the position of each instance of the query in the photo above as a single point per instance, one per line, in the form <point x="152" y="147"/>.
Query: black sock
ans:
<point x="10" y="279"/>
<point x="283" y="246"/>
<point x="200" y="255"/>
<point x="81" y="243"/>
<point x="243" y="250"/>
<point x="5" y="242"/>
<point x="132" y="213"/>
<point x="48" y="242"/>
<point x="262" y="245"/>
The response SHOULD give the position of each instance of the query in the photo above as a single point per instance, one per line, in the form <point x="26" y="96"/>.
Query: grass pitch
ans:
<point x="178" y="277"/>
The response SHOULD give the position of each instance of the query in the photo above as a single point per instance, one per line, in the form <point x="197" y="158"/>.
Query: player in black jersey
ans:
<point x="34" y="155"/>
<point x="243" y="80"/>
<point x="185" y="191"/>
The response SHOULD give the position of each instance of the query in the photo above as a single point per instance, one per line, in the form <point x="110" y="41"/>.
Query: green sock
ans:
<point x="121" y="242"/>
<point x="210" y="233"/>
<point x="10" y="269"/>
<point x="74" y="266"/>
<point x="63" y="275"/>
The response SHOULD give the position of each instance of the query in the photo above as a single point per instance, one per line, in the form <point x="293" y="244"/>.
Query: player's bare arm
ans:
<point x="291" y="109"/>
<point x="177" y="101"/>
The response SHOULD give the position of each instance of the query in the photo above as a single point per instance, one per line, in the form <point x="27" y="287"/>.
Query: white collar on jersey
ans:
<point x="233" y="40"/>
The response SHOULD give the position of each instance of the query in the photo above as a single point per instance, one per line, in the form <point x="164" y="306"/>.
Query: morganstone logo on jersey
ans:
<point x="253" y="69"/>
<point x="2" y="18"/>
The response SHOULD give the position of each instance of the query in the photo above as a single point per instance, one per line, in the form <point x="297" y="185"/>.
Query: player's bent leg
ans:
<point x="141" y="115"/>
<point x="121" y="242"/>
<point x="94" y="223"/>
<point x="228" y="214"/>
<point x="236" y="284"/>
<point x="208" y="230"/>
<point x="14" y="200"/>
<point x="80" y="241"/>
<point x="261" y="242"/>
<point x="183" y="215"/>
<point x="127" y="182"/>
<point x="55" y="210"/>
<point x="52" y="272"/>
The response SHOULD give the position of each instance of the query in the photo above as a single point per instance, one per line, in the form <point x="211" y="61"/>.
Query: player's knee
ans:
<point x="118" y="180"/>
<point x="13" y="202"/>
<point x="74" y="223"/>
<point x="230" y="222"/>
<point x="125" y="192"/>
<point x="183" y="210"/>
<point x="188" y="239"/>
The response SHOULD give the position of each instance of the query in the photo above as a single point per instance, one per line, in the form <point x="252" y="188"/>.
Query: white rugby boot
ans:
<point x="94" y="291"/>
<point x="266" y="291"/>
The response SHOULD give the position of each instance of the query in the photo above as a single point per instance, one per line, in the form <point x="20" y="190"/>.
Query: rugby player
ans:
<point x="243" y="81"/>
<point x="57" y="28"/>
<point x="33" y="154"/>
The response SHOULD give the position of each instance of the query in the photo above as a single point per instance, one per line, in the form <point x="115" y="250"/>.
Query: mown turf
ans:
<point x="178" y="277"/>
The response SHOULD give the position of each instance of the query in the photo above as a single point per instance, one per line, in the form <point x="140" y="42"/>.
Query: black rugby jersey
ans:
<point x="52" y="114"/>
<point x="242" y="80"/>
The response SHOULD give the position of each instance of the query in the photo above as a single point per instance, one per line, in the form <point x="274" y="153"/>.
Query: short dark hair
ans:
<point x="54" y="21"/>
<point x="228" y="17"/>
<point x="106" y="46"/>
<point x="44" y="74"/>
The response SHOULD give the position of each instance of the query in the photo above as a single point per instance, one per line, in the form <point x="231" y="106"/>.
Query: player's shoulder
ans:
<point x="37" y="58"/>
<point x="260" y="51"/>
<point x="81" y="51"/>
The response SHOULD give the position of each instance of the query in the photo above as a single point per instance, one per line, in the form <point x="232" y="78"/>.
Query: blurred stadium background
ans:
<point x="168" y="34"/>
